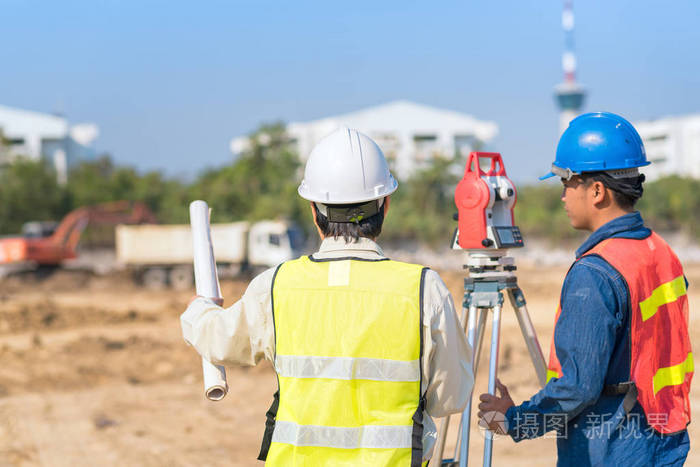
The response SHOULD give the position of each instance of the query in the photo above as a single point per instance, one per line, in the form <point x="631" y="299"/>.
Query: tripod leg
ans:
<point x="439" y="452"/>
<point x="463" y="445"/>
<point x="517" y="299"/>
<point x="472" y="333"/>
<point x="481" y="325"/>
<point x="493" y="367"/>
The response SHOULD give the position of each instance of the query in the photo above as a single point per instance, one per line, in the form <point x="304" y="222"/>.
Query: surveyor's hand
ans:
<point x="218" y="301"/>
<point x="492" y="403"/>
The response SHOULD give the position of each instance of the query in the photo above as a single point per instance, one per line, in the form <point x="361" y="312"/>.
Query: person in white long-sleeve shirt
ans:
<point x="366" y="349"/>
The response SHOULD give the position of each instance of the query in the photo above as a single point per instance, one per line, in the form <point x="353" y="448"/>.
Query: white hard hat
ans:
<point x="346" y="167"/>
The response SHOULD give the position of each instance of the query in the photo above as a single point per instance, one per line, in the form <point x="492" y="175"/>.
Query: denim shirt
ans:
<point x="592" y="344"/>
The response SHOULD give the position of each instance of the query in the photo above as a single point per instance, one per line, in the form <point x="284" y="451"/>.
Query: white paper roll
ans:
<point x="207" y="285"/>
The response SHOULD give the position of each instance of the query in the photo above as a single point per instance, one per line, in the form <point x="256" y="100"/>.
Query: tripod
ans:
<point x="490" y="273"/>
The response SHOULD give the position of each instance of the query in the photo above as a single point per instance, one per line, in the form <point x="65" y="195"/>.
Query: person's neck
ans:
<point x="607" y="215"/>
<point x="323" y="237"/>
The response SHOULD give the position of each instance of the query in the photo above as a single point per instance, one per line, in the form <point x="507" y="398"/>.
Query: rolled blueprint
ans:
<point x="207" y="285"/>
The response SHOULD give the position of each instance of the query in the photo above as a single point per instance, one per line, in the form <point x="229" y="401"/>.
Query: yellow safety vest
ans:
<point x="348" y="347"/>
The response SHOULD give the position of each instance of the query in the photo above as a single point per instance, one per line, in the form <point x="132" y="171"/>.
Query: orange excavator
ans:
<point x="43" y="245"/>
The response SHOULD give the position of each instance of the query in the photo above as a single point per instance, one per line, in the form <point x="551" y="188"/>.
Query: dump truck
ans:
<point x="161" y="255"/>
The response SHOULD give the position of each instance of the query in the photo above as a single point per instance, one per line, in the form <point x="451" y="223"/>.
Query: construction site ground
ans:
<point x="94" y="371"/>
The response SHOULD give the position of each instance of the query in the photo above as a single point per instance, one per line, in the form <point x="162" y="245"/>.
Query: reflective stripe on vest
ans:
<point x="673" y="375"/>
<point x="554" y="367"/>
<point x="363" y="437"/>
<point x="348" y="350"/>
<point x="662" y="295"/>
<point x="297" y="366"/>
<point x="661" y="365"/>
<point x="552" y="374"/>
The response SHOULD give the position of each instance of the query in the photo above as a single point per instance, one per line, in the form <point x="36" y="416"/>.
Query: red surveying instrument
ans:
<point x="485" y="202"/>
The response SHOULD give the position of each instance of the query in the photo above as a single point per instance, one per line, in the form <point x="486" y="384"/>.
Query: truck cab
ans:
<point x="273" y="242"/>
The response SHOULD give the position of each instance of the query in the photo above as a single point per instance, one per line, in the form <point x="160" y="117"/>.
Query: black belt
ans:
<point x="629" y="389"/>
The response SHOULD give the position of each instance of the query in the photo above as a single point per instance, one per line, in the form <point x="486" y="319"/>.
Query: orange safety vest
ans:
<point x="661" y="364"/>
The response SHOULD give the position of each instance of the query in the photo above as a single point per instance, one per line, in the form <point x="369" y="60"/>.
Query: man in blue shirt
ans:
<point x="590" y="398"/>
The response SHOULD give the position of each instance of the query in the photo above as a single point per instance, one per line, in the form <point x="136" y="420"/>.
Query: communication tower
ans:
<point x="569" y="93"/>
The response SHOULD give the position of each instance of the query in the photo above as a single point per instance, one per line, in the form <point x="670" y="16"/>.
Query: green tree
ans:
<point x="539" y="212"/>
<point x="89" y="182"/>
<point x="260" y="184"/>
<point x="100" y="180"/>
<point x="423" y="206"/>
<point x="4" y="147"/>
<point x="672" y="203"/>
<point x="29" y="192"/>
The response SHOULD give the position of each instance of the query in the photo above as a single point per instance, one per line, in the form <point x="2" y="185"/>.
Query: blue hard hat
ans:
<point x="598" y="141"/>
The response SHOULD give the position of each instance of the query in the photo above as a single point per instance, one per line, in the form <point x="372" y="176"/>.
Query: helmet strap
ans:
<point x="623" y="173"/>
<point x="629" y="186"/>
<point x="350" y="213"/>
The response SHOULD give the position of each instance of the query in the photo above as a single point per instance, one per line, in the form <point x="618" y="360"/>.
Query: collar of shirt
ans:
<point x="363" y="248"/>
<point x="628" y="226"/>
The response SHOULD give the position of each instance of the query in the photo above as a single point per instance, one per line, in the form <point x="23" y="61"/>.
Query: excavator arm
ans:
<point x="62" y="244"/>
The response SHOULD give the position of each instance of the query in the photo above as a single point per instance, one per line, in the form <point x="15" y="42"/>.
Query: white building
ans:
<point x="408" y="133"/>
<point x="39" y="135"/>
<point x="672" y="145"/>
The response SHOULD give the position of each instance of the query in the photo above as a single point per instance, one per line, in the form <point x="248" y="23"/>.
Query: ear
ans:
<point x="313" y="213"/>
<point x="386" y="204"/>
<point x="599" y="194"/>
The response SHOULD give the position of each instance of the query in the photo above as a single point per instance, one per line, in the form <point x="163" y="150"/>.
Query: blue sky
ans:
<point x="170" y="83"/>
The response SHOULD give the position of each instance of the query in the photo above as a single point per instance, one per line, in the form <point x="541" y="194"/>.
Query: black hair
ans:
<point x="369" y="227"/>
<point x="626" y="191"/>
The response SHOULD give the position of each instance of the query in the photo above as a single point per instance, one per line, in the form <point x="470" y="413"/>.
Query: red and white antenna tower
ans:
<point x="569" y="94"/>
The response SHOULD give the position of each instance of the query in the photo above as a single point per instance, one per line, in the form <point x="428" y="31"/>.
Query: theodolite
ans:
<point x="485" y="231"/>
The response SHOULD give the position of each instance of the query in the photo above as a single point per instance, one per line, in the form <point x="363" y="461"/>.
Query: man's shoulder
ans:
<point x="433" y="282"/>
<point x="263" y="281"/>
<point x="408" y="264"/>
<point x="593" y="276"/>
<point x="592" y="266"/>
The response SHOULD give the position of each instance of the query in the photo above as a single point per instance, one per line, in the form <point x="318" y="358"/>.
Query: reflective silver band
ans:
<point x="376" y="369"/>
<point x="567" y="174"/>
<point x="367" y="436"/>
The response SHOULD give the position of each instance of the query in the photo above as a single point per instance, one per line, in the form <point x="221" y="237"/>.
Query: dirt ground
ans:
<point x="94" y="371"/>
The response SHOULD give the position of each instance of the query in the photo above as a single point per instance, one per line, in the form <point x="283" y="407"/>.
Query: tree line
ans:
<point x="261" y="184"/>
